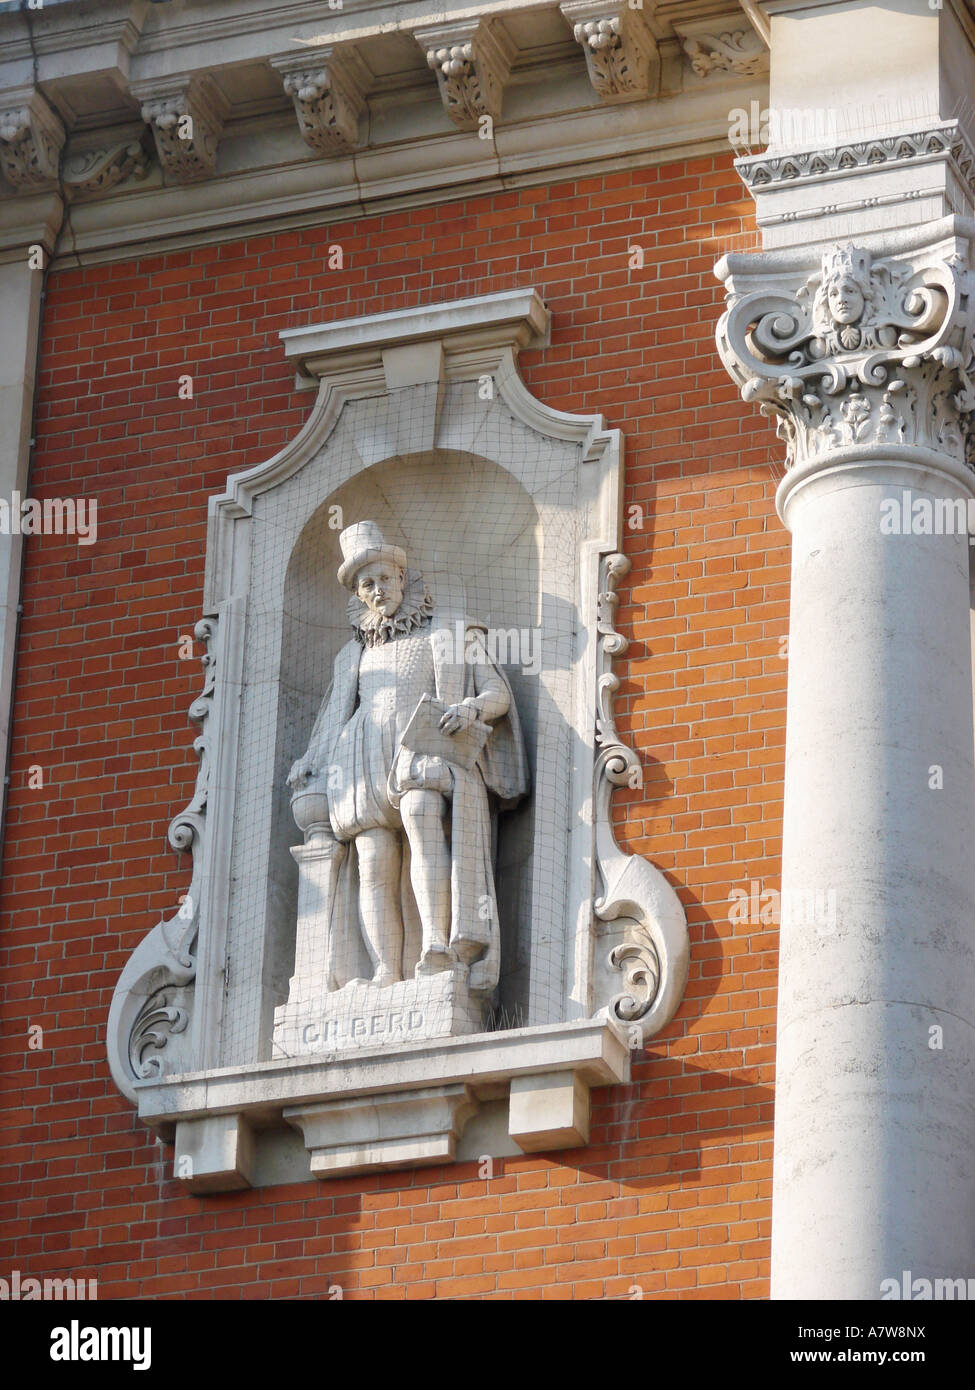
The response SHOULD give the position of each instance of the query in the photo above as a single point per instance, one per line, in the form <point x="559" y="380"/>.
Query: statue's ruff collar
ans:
<point x="372" y="629"/>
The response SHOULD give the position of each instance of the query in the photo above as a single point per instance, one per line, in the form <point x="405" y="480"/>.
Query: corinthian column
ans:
<point x="865" y="365"/>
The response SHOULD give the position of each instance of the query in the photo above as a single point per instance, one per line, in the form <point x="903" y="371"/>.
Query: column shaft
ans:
<point x="875" y="1121"/>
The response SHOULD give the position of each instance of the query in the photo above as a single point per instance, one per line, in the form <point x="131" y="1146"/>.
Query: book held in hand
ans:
<point x="424" y="735"/>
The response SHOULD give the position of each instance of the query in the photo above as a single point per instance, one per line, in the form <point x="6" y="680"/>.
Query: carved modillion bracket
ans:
<point x="186" y="118"/>
<point x="328" y="90"/>
<point x="31" y="138"/>
<point x="621" y="53"/>
<point x="472" y="61"/>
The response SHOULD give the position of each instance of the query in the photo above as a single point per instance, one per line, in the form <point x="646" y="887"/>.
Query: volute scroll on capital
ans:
<point x="865" y="352"/>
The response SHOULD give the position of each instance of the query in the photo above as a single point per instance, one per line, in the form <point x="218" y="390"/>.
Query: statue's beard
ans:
<point x="373" y="628"/>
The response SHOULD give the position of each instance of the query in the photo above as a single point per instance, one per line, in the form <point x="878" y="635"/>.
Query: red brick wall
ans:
<point x="673" y="1193"/>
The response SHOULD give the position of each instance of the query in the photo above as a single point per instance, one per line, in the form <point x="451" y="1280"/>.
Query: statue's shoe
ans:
<point x="434" y="961"/>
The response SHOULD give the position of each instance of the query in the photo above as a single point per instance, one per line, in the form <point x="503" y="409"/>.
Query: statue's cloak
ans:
<point x="501" y="770"/>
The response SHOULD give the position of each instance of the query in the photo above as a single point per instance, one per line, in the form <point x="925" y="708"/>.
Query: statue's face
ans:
<point x="380" y="586"/>
<point x="845" y="299"/>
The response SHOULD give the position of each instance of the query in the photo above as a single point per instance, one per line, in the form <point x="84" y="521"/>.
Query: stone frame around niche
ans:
<point x="603" y="966"/>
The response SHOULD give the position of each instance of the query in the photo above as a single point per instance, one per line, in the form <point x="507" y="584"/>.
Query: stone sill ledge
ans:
<point x="379" y="1109"/>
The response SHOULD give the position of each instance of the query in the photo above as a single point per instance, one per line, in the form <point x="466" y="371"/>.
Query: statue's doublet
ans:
<point x="367" y="775"/>
<point x="364" y="772"/>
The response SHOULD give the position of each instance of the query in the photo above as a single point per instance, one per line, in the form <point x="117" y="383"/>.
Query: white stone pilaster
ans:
<point x="20" y="296"/>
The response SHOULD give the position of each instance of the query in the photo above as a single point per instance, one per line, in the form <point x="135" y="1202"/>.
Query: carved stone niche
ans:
<point x="227" y="1030"/>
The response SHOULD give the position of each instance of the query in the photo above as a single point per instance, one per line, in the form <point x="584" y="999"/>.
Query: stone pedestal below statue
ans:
<point x="366" y="1015"/>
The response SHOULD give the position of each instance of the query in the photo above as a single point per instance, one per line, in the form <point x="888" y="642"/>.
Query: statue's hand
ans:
<point x="300" y="772"/>
<point x="457" y="717"/>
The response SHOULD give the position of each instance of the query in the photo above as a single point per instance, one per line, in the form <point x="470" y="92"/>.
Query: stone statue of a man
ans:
<point x="421" y="822"/>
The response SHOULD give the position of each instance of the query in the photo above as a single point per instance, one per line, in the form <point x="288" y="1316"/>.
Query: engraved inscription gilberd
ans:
<point x="359" y="1029"/>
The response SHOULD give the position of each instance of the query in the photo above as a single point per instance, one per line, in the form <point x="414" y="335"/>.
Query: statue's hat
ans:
<point x="361" y="545"/>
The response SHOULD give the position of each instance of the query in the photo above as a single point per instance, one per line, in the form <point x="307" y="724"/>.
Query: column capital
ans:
<point x="858" y="353"/>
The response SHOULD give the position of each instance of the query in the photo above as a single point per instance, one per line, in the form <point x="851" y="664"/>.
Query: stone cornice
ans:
<point x="39" y="217"/>
<point x="419" y="172"/>
<point x="159" y="38"/>
<point x="200" y="76"/>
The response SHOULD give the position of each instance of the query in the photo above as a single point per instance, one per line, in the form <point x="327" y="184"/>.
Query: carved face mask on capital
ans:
<point x="845" y="299"/>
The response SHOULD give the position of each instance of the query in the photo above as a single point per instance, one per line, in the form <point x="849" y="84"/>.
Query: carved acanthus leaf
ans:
<point x="640" y="964"/>
<point x="863" y="352"/>
<point x="186" y="829"/>
<point x="159" y="1019"/>
<point x="740" y="51"/>
<point x="617" y="765"/>
<point x="88" y="173"/>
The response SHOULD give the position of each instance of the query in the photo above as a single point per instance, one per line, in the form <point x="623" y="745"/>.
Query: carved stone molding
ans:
<point x="943" y="141"/>
<point x="654" y="955"/>
<point x="862" y="352"/>
<point x="89" y="173"/>
<point x="328" y="92"/>
<point x="404" y="1129"/>
<point x="621" y="53"/>
<point x="153" y="1000"/>
<point x="186" y="119"/>
<point x="472" y="61"/>
<point x="739" y="51"/>
<point x="31" y="138"/>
